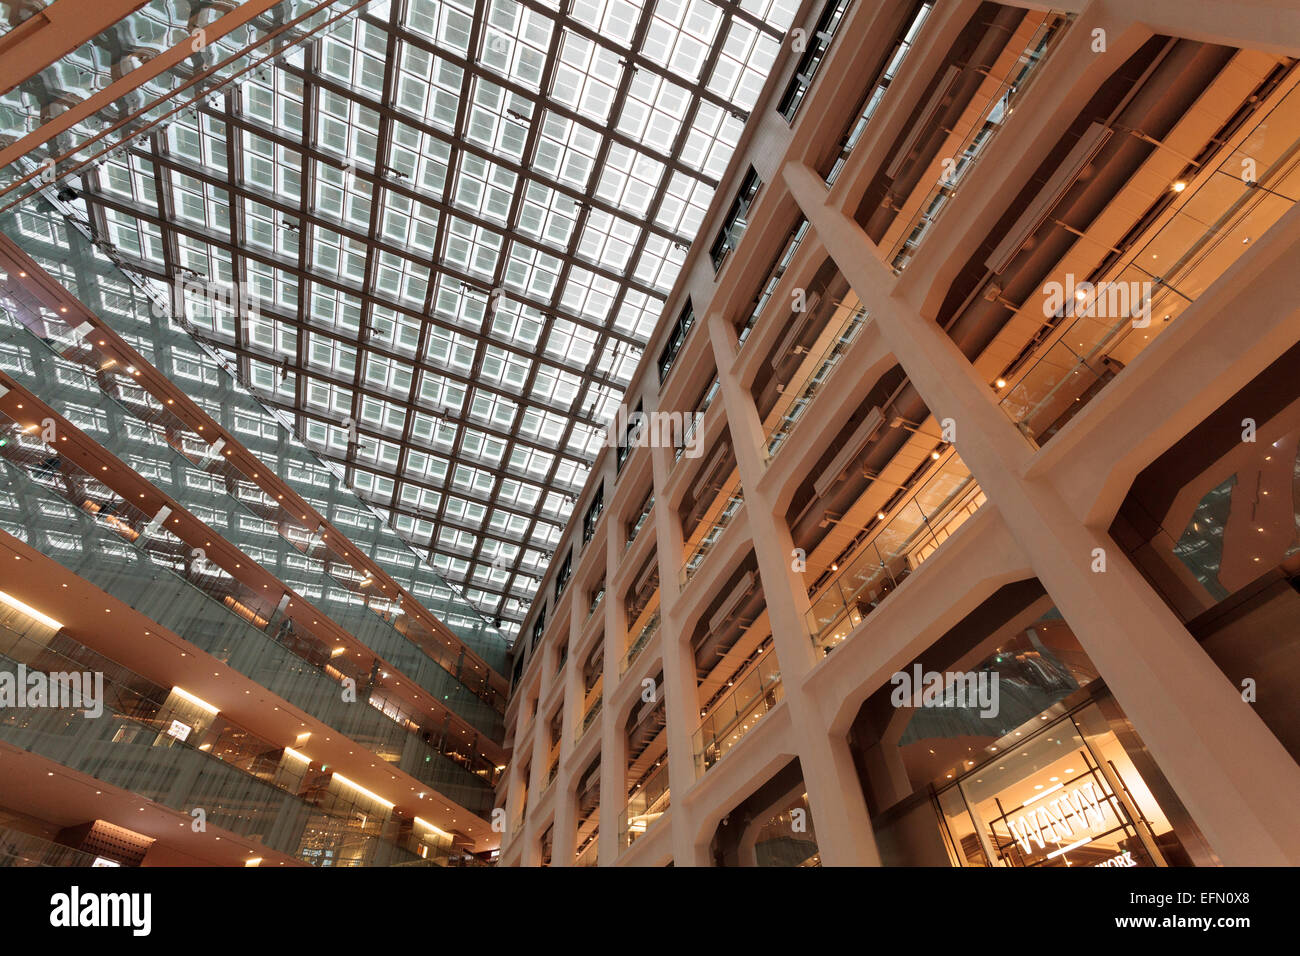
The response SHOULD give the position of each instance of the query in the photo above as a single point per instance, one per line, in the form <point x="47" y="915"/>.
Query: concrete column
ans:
<point x="1180" y="379"/>
<point x="531" y="851"/>
<point x="1227" y="767"/>
<point x="613" y="745"/>
<point x="838" y="806"/>
<point x="565" y="834"/>
<point x="680" y="696"/>
<point x="886" y="772"/>
<point x="1273" y="27"/>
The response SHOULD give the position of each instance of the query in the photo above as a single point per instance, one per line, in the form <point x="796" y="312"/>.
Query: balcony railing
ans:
<point x="992" y="116"/>
<point x="782" y="262"/>
<point x="877" y="93"/>
<point x="1211" y="226"/>
<point x="738" y="712"/>
<point x="646" y="804"/>
<point x="128" y="746"/>
<point x="806" y="389"/>
<point x="24" y="849"/>
<point x="915" y="530"/>
<point x="590" y="716"/>
<point x="589" y="854"/>
<point x="648" y="631"/>
<point x="635" y="528"/>
<point x="706" y="544"/>
<point x="696" y="420"/>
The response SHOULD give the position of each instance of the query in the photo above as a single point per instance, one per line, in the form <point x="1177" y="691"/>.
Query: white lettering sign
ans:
<point x="1056" y="822"/>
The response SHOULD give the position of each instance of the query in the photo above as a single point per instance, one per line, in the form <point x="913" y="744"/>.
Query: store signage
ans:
<point x="1079" y="810"/>
<point x="178" y="730"/>
<point x="1123" y="859"/>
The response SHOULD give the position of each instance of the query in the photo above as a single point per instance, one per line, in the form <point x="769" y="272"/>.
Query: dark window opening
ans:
<point x="562" y="576"/>
<point x="733" y="227"/>
<point x="812" y="58"/>
<point x="593" y="515"/>
<point x="676" y="337"/>
<point x="629" y="436"/>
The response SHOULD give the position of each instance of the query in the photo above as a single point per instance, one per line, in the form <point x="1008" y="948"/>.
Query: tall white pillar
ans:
<point x="1227" y="767"/>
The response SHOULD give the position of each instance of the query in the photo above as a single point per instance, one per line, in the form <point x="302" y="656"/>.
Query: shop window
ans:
<point x="1069" y="795"/>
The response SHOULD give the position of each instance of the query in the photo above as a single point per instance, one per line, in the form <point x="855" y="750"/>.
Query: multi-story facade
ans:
<point x="214" y="650"/>
<point x="951" y="521"/>
<point x="311" y="312"/>
<point x="273" y="668"/>
<point x="984" y="366"/>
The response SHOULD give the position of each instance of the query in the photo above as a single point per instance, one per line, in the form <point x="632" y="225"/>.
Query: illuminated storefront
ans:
<point x="1063" y="794"/>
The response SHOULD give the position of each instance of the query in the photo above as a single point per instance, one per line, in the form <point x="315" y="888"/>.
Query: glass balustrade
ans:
<point x="753" y="696"/>
<point x="941" y="503"/>
<point x="650" y="629"/>
<point x="123" y="745"/>
<point x="590" y="716"/>
<point x="768" y="289"/>
<point x="984" y="118"/>
<point x="696" y="420"/>
<point x="66" y="513"/>
<point x="853" y="135"/>
<point x="648" y="801"/>
<point x="634" y="529"/>
<point x="1102" y="326"/>
<point x="25" y="849"/>
<point x="806" y="388"/>
<point x="589" y="854"/>
<point x="734" y="501"/>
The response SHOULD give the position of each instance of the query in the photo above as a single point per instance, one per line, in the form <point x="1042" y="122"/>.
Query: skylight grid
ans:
<point x="587" y="77"/>
<point x="461" y="220"/>
<point x="516" y="42"/>
<point x="681" y="34"/>
<point x="744" y="63"/>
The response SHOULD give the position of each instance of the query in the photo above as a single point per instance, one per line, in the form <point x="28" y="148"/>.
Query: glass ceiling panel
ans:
<point x="459" y="221"/>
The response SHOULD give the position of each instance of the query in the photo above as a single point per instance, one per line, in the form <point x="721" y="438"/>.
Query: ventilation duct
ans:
<point x="741" y="591"/>
<point x="938" y="100"/>
<point x="787" y="345"/>
<point x="712" y="475"/>
<point x="852" y="448"/>
<point x="646" y="579"/>
<point x="1065" y="176"/>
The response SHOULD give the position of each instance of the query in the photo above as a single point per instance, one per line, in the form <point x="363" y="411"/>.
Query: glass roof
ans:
<point x="457" y="223"/>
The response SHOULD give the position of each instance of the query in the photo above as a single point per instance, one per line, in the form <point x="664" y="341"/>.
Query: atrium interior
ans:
<point x="529" y="433"/>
